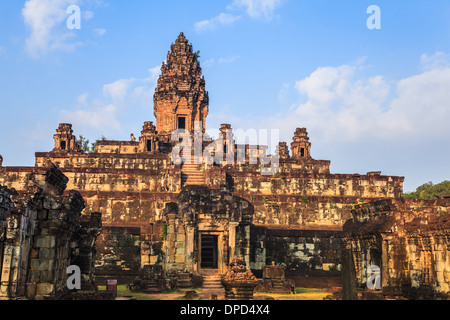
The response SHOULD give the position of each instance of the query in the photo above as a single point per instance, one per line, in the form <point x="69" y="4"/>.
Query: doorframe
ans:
<point x="220" y="251"/>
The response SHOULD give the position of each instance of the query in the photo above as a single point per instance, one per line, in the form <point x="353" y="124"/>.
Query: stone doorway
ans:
<point x="209" y="253"/>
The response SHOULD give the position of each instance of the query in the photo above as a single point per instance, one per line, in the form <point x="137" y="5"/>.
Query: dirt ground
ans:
<point x="123" y="293"/>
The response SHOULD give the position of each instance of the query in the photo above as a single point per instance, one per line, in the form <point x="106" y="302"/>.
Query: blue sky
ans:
<point x="372" y="100"/>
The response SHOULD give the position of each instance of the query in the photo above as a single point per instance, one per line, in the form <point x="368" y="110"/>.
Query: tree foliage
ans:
<point x="430" y="191"/>
<point x="197" y="55"/>
<point x="85" y="144"/>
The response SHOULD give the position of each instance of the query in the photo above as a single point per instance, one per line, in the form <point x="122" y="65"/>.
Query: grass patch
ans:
<point x="309" y="290"/>
<point x="177" y="294"/>
<point x="123" y="291"/>
<point x="301" y="294"/>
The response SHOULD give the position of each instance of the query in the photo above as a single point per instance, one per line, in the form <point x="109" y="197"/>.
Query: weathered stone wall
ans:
<point x="296" y="250"/>
<point x="408" y="240"/>
<point x="203" y="211"/>
<point x="44" y="234"/>
<point x="131" y="191"/>
<point x="293" y="197"/>
<point x="118" y="253"/>
<point x="117" y="147"/>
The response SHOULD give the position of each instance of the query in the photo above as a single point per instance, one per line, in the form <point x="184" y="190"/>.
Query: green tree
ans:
<point x="197" y="55"/>
<point x="430" y="191"/>
<point x="86" y="146"/>
<point x="83" y="143"/>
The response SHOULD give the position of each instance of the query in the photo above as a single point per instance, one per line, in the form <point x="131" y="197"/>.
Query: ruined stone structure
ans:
<point x="274" y="281"/>
<point x="195" y="217"/>
<point x="406" y="242"/>
<point x="239" y="282"/>
<point x="203" y="228"/>
<point x="42" y="233"/>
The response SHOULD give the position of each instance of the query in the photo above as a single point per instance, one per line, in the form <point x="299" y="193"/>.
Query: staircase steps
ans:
<point x="192" y="174"/>
<point x="279" y="287"/>
<point x="184" y="281"/>
<point x="213" y="283"/>
<point x="151" y="286"/>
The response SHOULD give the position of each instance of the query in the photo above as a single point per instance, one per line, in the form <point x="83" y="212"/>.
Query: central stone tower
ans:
<point x="180" y="98"/>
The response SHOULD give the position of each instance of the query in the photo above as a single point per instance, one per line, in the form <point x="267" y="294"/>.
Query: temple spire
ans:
<point x="181" y="97"/>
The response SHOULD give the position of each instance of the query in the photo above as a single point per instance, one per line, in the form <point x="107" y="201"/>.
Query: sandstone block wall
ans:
<point x="41" y="234"/>
<point x="408" y="240"/>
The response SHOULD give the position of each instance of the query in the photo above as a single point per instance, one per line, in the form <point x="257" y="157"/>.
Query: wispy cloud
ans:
<point x="222" y="60"/>
<point x="253" y="8"/>
<point x="224" y="19"/>
<point x="434" y="61"/>
<point x="100" y="31"/>
<point x="88" y="15"/>
<point x="46" y="20"/>
<point x="339" y="104"/>
<point x="103" y="113"/>
<point x="257" y="8"/>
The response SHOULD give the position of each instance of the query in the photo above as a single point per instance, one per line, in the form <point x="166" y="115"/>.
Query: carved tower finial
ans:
<point x="180" y="98"/>
<point x="65" y="141"/>
<point x="148" y="141"/>
<point x="301" y="147"/>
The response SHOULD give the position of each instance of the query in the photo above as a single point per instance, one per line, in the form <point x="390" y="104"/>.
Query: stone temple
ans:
<point x="190" y="219"/>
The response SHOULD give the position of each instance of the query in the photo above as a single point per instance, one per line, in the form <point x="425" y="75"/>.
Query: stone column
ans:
<point x="349" y="288"/>
<point x="170" y="238"/>
<point x="6" y="280"/>
<point x="247" y="245"/>
<point x="190" y="238"/>
<point x="232" y="239"/>
<point x="384" y="264"/>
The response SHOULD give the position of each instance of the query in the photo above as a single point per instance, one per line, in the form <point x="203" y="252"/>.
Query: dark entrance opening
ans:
<point x="302" y="152"/>
<point x="149" y="145"/>
<point x="63" y="145"/>
<point x="181" y="123"/>
<point x="209" y="252"/>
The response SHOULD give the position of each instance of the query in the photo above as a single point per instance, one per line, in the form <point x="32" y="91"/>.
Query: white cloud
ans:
<point x="254" y="9"/>
<point x="340" y="105"/>
<point x="88" y="15"/>
<point x="211" y="24"/>
<point x="434" y="61"/>
<point x="103" y="118"/>
<point x="46" y="19"/>
<point x="83" y="98"/>
<point x="118" y="89"/>
<point x="283" y="93"/>
<point x="132" y="88"/>
<point x="104" y="113"/>
<point x="209" y="63"/>
<point x="257" y="8"/>
<point x="222" y="60"/>
<point x="100" y="31"/>
<point x="227" y="60"/>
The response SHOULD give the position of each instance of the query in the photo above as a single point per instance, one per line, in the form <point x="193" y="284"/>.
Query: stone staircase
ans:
<point x="192" y="174"/>
<point x="151" y="287"/>
<point x="213" y="283"/>
<point x="279" y="287"/>
<point x="184" y="281"/>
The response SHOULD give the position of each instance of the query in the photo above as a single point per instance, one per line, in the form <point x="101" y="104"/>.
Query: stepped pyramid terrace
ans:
<point x="188" y="209"/>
